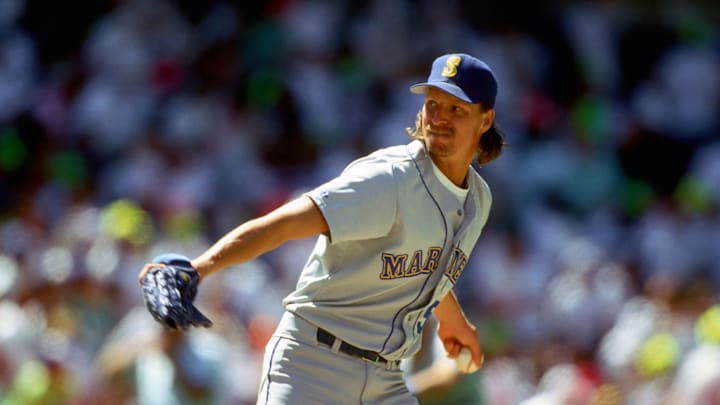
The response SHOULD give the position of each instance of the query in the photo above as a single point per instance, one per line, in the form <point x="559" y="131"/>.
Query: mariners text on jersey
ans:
<point x="397" y="266"/>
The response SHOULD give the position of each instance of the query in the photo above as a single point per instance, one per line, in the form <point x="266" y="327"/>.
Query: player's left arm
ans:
<point x="455" y="330"/>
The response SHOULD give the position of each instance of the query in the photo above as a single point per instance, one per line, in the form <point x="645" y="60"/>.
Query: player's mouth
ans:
<point x="439" y="132"/>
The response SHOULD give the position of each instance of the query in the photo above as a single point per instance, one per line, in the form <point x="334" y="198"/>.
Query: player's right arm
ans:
<point x="455" y="330"/>
<point x="297" y="219"/>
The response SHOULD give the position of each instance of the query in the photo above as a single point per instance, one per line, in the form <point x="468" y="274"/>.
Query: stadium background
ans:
<point x="129" y="128"/>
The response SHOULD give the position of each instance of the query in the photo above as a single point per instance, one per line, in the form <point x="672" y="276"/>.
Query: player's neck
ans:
<point x="454" y="171"/>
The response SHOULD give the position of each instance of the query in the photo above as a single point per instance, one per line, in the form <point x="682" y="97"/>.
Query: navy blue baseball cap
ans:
<point x="463" y="76"/>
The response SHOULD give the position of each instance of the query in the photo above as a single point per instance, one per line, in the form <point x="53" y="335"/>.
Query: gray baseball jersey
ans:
<point x="392" y="252"/>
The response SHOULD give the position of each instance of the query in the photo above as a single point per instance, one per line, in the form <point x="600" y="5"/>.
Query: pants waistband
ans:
<point x="329" y="339"/>
<point x="295" y="327"/>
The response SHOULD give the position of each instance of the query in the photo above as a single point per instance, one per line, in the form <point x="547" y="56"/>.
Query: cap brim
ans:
<point x="421" y="88"/>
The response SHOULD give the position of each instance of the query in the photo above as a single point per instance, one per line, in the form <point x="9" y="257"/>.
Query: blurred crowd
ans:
<point x="130" y="128"/>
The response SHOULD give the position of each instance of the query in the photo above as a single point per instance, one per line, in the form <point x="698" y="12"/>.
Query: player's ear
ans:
<point x="488" y="119"/>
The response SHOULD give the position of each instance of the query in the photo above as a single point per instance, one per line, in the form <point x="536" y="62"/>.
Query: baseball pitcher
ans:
<point x="394" y="232"/>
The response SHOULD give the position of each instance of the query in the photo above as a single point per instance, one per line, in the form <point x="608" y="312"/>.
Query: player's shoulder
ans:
<point x="395" y="154"/>
<point x="479" y="183"/>
<point x="475" y="176"/>
<point x="386" y="159"/>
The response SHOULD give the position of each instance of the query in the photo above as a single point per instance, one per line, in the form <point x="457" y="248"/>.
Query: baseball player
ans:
<point x="394" y="233"/>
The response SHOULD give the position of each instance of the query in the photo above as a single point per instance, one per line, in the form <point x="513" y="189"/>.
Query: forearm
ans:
<point x="455" y="330"/>
<point x="242" y="244"/>
<point x="449" y="310"/>
<point x="297" y="219"/>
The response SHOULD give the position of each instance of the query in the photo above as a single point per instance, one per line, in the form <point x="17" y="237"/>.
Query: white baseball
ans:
<point x="464" y="361"/>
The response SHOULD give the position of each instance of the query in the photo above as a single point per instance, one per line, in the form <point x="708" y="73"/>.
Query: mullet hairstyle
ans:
<point x="491" y="144"/>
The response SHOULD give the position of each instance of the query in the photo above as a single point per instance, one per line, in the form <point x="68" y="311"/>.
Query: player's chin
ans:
<point x="439" y="145"/>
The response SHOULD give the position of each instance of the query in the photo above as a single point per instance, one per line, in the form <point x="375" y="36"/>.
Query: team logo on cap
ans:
<point x="451" y="65"/>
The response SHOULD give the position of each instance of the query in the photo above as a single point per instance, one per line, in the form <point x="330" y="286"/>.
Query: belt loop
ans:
<point x="335" y="348"/>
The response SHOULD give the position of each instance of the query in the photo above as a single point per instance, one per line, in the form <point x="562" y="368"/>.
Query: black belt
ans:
<point x="327" y="338"/>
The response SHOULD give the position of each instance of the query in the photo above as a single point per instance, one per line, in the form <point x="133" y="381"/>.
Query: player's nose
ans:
<point x="438" y="117"/>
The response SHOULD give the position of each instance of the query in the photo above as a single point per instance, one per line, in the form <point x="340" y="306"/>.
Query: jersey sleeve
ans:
<point x="359" y="204"/>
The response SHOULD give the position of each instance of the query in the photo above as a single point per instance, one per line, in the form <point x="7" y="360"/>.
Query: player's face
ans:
<point x="452" y="127"/>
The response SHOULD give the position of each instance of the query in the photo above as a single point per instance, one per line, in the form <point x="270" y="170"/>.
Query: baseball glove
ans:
<point x="169" y="290"/>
